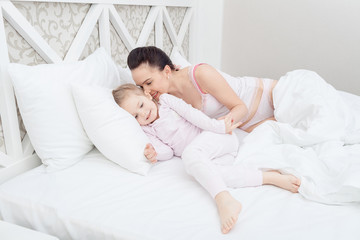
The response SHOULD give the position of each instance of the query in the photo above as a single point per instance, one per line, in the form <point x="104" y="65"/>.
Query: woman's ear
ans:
<point x="167" y="69"/>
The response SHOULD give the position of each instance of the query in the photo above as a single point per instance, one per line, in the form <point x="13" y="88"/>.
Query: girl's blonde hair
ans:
<point x="122" y="92"/>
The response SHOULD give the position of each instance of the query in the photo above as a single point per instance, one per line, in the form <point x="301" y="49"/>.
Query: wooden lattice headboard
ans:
<point x="37" y="32"/>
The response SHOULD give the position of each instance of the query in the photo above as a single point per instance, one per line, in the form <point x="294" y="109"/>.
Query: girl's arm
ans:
<point x="163" y="151"/>
<point x="212" y="82"/>
<point x="196" y="117"/>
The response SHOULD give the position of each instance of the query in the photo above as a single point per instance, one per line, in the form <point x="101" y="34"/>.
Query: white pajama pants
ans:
<point x="209" y="159"/>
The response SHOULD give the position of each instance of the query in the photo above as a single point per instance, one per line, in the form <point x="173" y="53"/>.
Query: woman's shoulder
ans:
<point x="203" y="66"/>
<point x="205" y="73"/>
<point x="204" y="69"/>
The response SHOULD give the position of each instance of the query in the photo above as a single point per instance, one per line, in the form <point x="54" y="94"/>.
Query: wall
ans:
<point x="207" y="32"/>
<point x="270" y="38"/>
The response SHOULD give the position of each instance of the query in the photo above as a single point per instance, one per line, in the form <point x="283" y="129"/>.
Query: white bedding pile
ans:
<point x="317" y="137"/>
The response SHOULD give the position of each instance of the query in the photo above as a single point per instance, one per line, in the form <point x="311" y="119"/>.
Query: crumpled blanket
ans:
<point x="316" y="137"/>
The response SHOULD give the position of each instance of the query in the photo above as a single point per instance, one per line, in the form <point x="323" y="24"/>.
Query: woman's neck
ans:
<point x="178" y="82"/>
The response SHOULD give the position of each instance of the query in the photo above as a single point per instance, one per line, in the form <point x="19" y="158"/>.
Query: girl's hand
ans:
<point x="229" y="123"/>
<point x="150" y="153"/>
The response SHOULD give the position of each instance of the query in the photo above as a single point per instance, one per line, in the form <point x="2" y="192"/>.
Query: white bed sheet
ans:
<point x="96" y="199"/>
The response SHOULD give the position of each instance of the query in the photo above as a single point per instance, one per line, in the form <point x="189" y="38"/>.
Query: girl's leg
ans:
<point x="229" y="209"/>
<point x="286" y="181"/>
<point x="197" y="158"/>
<point x="238" y="176"/>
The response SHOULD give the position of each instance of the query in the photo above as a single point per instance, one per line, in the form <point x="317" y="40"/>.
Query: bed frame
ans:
<point x="18" y="154"/>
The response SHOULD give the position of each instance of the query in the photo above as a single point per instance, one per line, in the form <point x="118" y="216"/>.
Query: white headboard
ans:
<point x="37" y="32"/>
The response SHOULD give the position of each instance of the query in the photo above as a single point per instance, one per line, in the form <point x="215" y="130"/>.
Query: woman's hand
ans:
<point x="150" y="153"/>
<point x="229" y="123"/>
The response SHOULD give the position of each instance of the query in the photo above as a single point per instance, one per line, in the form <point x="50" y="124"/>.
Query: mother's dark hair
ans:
<point x="151" y="55"/>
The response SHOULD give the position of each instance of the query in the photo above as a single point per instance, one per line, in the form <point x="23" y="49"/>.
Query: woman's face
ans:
<point x="151" y="79"/>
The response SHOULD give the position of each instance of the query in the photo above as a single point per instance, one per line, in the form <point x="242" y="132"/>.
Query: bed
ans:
<point x="88" y="178"/>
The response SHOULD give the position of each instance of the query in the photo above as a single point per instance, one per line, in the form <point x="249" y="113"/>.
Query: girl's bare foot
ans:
<point x="286" y="181"/>
<point x="229" y="209"/>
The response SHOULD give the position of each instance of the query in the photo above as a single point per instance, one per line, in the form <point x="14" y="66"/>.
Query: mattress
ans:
<point x="97" y="199"/>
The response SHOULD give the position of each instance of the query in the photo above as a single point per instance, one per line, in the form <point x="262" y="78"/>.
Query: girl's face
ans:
<point x="151" y="79"/>
<point x="143" y="108"/>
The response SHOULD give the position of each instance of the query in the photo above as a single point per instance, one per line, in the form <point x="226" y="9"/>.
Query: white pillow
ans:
<point x="47" y="107"/>
<point x="125" y="75"/>
<point x="114" y="132"/>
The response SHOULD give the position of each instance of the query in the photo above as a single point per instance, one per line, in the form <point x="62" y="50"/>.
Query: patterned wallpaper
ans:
<point x="58" y="24"/>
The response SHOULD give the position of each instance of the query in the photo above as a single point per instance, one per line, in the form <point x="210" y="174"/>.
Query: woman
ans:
<point x="248" y="100"/>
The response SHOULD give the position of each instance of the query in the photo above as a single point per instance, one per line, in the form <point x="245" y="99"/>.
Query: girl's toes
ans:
<point x="298" y="182"/>
<point x="225" y="229"/>
<point x="296" y="188"/>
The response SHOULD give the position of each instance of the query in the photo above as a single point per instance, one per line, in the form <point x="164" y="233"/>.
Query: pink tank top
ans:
<point x="246" y="88"/>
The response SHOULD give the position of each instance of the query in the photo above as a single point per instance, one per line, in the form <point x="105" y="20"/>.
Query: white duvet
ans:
<point x="317" y="137"/>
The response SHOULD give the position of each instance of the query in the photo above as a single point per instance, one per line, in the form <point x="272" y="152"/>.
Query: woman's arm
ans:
<point x="210" y="81"/>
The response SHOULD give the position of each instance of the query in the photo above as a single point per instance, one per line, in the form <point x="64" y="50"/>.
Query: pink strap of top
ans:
<point x="194" y="79"/>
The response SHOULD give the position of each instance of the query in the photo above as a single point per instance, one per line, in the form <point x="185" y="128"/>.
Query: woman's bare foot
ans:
<point x="229" y="209"/>
<point x="286" y="181"/>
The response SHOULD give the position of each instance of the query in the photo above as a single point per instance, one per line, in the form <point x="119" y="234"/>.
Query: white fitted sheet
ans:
<point x="96" y="199"/>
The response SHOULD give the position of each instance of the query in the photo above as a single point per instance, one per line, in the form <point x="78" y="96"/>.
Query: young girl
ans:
<point x="176" y="128"/>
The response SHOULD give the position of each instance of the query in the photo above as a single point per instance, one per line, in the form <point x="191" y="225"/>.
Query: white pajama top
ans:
<point x="178" y="124"/>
